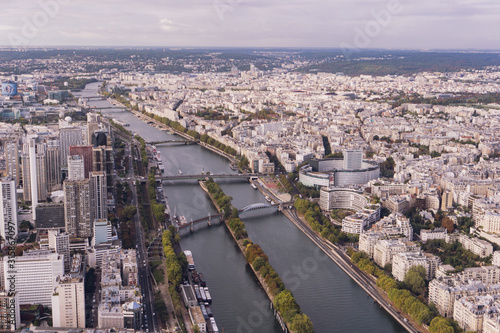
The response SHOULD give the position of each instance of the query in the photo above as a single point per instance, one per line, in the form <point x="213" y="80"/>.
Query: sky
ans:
<point x="398" y="24"/>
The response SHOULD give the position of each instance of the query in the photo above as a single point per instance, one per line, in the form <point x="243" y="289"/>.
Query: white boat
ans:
<point x="253" y="186"/>
<point x="189" y="257"/>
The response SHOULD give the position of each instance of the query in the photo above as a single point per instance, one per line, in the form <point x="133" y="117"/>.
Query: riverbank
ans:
<point x="338" y="256"/>
<point x="257" y="260"/>
<point x="365" y="281"/>
<point x="147" y="118"/>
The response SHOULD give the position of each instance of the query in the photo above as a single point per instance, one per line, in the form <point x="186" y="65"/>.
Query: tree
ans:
<point x="302" y="323"/>
<point x="285" y="302"/>
<point x="440" y="325"/>
<point x="415" y="279"/>
<point x="258" y="263"/>
<point x="129" y="212"/>
<point x="448" y="224"/>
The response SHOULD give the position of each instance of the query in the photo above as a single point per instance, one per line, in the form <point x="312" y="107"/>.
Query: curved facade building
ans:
<point x="331" y="172"/>
<point x="345" y="198"/>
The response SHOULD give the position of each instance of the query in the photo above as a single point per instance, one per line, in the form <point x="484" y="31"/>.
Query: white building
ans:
<point x="99" y="195"/>
<point x="102" y="232"/>
<point x="438" y="233"/>
<point x="68" y="302"/>
<point x="402" y="262"/>
<point x="386" y="249"/>
<point x="477" y="246"/>
<point x="368" y="240"/>
<point x="469" y="311"/>
<point x="34" y="275"/>
<point x="490" y="221"/>
<point x="496" y="258"/>
<point x="76" y="167"/>
<point x="60" y="243"/>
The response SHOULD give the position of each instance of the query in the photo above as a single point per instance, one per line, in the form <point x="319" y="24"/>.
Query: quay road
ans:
<point x="343" y="261"/>
<point x="149" y="320"/>
<point x="182" y="134"/>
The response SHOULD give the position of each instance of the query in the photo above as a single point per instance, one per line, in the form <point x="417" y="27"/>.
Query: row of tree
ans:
<point x="157" y="209"/>
<point x="144" y="155"/>
<point x="223" y="201"/>
<point x="174" y="270"/>
<point x="194" y="134"/>
<point x="319" y="223"/>
<point x="283" y="299"/>
<point x="402" y="298"/>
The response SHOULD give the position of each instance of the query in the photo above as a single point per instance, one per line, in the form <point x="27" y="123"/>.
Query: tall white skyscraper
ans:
<point x="53" y="161"/>
<point x="76" y="167"/>
<point x="34" y="172"/>
<point x="60" y="243"/>
<point x="69" y="136"/>
<point x="34" y="276"/>
<point x="8" y="209"/>
<point x="77" y="207"/>
<point x="11" y="149"/>
<point x="353" y="159"/>
<point x="68" y="302"/>
<point x="99" y="195"/>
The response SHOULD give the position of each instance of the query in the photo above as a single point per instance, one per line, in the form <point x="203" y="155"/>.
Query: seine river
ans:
<point x="332" y="299"/>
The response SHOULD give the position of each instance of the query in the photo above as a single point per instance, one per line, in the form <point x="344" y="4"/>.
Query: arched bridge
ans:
<point x="256" y="206"/>
<point x="247" y="209"/>
<point x="183" y="142"/>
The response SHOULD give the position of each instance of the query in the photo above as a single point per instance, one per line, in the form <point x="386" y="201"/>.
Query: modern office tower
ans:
<point x="34" y="172"/>
<point x="60" y="243"/>
<point x="103" y="160"/>
<point x="353" y="159"/>
<point x="77" y="209"/>
<point x="50" y="216"/>
<point x="34" y="276"/>
<point x="11" y="149"/>
<point x="53" y="161"/>
<point x="102" y="232"/>
<point x="8" y="209"/>
<point x="10" y="317"/>
<point x="68" y="302"/>
<point x="93" y="120"/>
<point x="69" y="136"/>
<point x="98" y="195"/>
<point x="86" y="153"/>
<point x="76" y="167"/>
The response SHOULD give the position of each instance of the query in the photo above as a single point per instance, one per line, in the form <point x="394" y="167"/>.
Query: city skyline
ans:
<point x="393" y="24"/>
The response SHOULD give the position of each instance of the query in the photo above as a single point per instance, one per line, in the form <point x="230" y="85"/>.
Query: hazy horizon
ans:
<point x="447" y="25"/>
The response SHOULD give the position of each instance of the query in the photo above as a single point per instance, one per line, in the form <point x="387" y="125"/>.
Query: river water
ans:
<point x="331" y="298"/>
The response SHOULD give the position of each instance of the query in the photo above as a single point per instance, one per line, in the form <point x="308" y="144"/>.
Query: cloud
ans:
<point x="270" y="23"/>
<point x="168" y="26"/>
